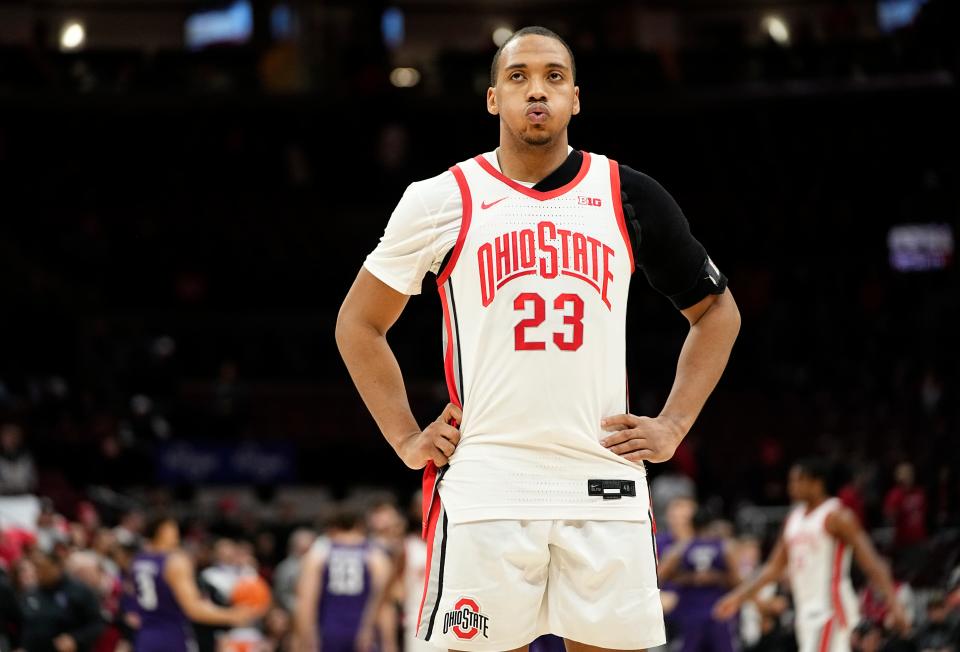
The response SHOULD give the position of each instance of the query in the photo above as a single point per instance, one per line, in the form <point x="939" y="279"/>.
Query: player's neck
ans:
<point x="531" y="163"/>
<point x="813" y="503"/>
<point x="348" y="538"/>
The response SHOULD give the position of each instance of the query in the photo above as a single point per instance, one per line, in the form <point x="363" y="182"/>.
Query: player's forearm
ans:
<point x="702" y="360"/>
<point x="749" y="589"/>
<point x="307" y="640"/>
<point x="305" y="628"/>
<point x="388" y="627"/>
<point x="207" y="613"/>
<point x="374" y="370"/>
<point x="879" y="576"/>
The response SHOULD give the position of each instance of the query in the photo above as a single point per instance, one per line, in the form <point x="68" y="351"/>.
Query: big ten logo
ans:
<point x="465" y="620"/>
<point x="588" y="201"/>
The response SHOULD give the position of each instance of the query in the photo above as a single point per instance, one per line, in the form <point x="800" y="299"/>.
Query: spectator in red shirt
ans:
<point x="906" y="508"/>
<point x="851" y="495"/>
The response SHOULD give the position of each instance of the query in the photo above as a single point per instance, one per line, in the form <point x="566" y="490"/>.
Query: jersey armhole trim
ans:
<point x="464" y="224"/>
<point x="618" y="209"/>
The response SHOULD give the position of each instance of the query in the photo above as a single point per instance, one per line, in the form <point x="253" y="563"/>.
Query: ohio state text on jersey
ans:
<point x="534" y="298"/>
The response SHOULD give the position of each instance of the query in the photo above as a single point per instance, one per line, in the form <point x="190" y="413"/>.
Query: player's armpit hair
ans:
<point x="710" y="280"/>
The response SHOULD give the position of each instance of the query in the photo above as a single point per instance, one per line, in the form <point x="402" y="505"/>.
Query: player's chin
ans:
<point x="537" y="137"/>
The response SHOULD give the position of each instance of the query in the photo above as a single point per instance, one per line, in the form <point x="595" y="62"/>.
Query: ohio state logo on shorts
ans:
<point x="465" y="620"/>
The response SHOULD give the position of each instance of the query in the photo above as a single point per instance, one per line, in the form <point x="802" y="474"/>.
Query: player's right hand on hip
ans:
<point x="435" y="443"/>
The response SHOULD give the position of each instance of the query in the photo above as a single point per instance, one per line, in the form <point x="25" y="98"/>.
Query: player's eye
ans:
<point x="516" y="76"/>
<point x="555" y="76"/>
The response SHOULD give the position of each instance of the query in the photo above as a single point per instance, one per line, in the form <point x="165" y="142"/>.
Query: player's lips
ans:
<point x="538" y="113"/>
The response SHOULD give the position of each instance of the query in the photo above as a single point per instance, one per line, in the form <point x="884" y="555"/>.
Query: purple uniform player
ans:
<point x="701" y="569"/>
<point x="166" y="598"/>
<point x="344" y="597"/>
<point x="163" y="625"/>
<point x="341" y="587"/>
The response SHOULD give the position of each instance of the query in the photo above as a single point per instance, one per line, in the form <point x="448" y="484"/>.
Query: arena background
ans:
<point x="187" y="189"/>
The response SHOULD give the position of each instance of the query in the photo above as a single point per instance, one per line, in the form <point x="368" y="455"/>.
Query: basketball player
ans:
<point x="819" y="538"/>
<point x="167" y="598"/>
<point x="341" y="589"/>
<point x="701" y="569"/>
<point x="537" y="509"/>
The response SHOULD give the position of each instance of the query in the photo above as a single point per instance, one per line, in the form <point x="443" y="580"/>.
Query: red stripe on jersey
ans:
<point x="507" y="279"/>
<point x="448" y="369"/>
<point x="428" y="486"/>
<point x="618" y="208"/>
<point x="431" y="529"/>
<point x="530" y="192"/>
<point x="467" y="202"/>
<point x="835" y="584"/>
<point x="653" y="519"/>
<point x="825" y="637"/>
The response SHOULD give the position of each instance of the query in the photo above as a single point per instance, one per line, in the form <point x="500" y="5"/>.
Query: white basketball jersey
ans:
<point x="819" y="566"/>
<point x="535" y="299"/>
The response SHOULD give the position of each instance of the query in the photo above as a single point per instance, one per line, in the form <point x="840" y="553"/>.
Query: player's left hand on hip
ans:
<point x="641" y="438"/>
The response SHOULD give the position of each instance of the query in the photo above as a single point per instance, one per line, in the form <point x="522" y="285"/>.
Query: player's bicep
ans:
<point x="380" y="569"/>
<point x="844" y="525"/>
<point x="371" y="303"/>
<point x="673" y="260"/>
<point x="178" y="573"/>
<point x="308" y="587"/>
<point x="778" y="560"/>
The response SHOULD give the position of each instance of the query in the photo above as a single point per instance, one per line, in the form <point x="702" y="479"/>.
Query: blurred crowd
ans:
<point x="71" y="579"/>
<point x="65" y="583"/>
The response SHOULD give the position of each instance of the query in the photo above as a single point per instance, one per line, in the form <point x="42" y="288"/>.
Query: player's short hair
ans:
<point x="154" y="523"/>
<point x="818" y="468"/>
<point x="535" y="30"/>
<point x="703" y="517"/>
<point x="345" y="517"/>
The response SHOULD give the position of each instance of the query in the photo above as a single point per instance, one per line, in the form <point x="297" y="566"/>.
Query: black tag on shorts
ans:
<point x="612" y="489"/>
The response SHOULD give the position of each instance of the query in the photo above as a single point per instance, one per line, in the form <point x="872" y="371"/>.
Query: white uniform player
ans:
<point x="819" y="539"/>
<point x="819" y="570"/>
<point x="538" y="520"/>
<point x="535" y="295"/>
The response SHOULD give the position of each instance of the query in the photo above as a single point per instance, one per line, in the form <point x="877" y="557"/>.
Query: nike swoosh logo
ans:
<point x="485" y="205"/>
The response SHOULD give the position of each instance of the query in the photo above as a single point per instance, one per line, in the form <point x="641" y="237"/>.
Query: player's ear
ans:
<point x="576" y="100"/>
<point x="492" y="107"/>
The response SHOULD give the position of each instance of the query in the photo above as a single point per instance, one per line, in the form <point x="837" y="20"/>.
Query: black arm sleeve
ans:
<point x="674" y="262"/>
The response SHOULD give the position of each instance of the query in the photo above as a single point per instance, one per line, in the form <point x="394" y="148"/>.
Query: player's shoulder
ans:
<point x="377" y="553"/>
<point x="177" y="561"/>
<point x="637" y="184"/>
<point x="436" y="191"/>
<point x="840" y="518"/>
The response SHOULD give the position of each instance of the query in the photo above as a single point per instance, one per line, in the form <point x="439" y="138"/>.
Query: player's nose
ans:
<point x="537" y="91"/>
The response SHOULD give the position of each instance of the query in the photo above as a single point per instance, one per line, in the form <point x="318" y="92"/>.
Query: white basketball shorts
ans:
<point x="497" y="585"/>
<point x="824" y="633"/>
